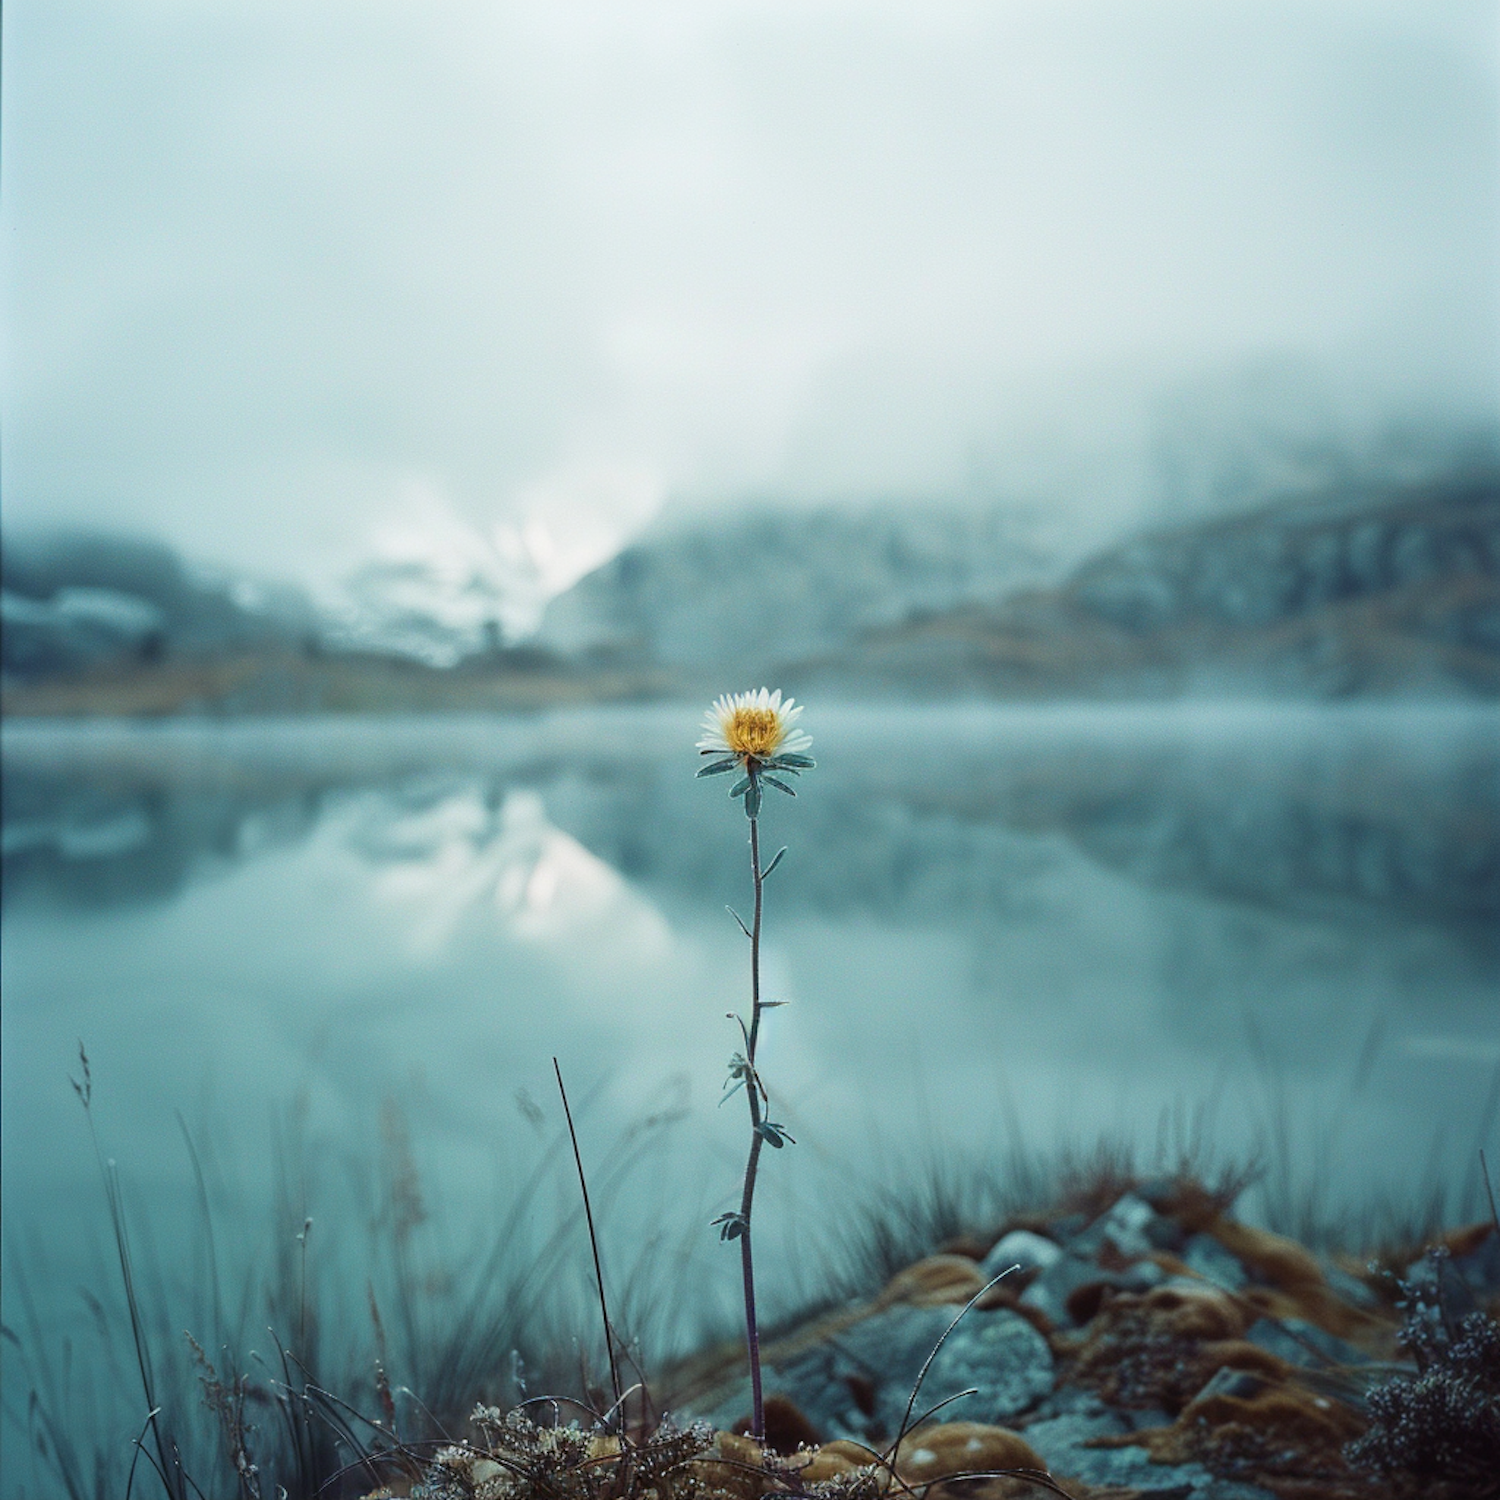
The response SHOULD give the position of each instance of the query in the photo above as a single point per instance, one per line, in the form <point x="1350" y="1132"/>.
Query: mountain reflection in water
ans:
<point x="1384" y="813"/>
<point x="1057" y="922"/>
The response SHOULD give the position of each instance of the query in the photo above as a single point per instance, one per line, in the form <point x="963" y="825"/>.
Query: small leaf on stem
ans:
<point x="731" y="1225"/>
<point x="740" y="1069"/>
<point x="764" y="873"/>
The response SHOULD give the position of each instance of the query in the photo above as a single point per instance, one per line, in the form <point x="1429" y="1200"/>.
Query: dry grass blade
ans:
<point x="609" y="1343"/>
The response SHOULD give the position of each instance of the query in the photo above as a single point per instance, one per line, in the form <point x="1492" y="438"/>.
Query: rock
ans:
<point x="1133" y="1227"/>
<point x="1206" y="1257"/>
<point x="1140" y="1420"/>
<point x="1000" y="1354"/>
<point x="1060" y="1441"/>
<point x="1063" y="1442"/>
<point x="1375" y="589"/>
<point x="856" y="1384"/>
<point x="1227" y="1381"/>
<point x="1050" y="1292"/>
<point x="1032" y="1252"/>
<point x="1069" y="1401"/>
<point x="890" y="1347"/>
<point x="1069" y="1225"/>
<point x="1349" y="1288"/>
<point x="1299" y="1342"/>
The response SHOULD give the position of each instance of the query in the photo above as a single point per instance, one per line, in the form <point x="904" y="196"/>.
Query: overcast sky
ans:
<point x="285" y="281"/>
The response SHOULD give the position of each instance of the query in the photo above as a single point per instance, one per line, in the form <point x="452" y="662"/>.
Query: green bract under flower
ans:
<point x="755" y="733"/>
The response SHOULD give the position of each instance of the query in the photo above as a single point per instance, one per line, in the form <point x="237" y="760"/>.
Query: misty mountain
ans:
<point x="1362" y="589"/>
<point x="70" y="601"/>
<point x="764" y="587"/>
<point x="416" y="610"/>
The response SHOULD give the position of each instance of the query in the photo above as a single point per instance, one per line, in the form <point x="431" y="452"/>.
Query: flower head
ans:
<point x="753" y="726"/>
<point x="755" y="733"/>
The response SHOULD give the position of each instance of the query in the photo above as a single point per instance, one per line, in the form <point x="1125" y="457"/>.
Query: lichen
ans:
<point x="1441" y="1425"/>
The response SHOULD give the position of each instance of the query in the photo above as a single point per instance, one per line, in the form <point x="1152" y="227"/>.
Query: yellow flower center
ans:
<point x="753" y="731"/>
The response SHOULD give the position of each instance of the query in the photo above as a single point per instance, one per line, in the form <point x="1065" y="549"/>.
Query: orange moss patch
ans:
<point x="1280" y="1437"/>
<point x="1282" y="1262"/>
<point x="1295" y="1272"/>
<point x="1239" y="1354"/>
<point x="844" y="1454"/>
<point x="972" y="1246"/>
<point x="1188" y="1313"/>
<point x="926" y="1457"/>
<point x="740" y="1469"/>
<point x="1159" y="1349"/>
<point x="962" y="1447"/>
<point x="1283" y="1415"/>
<point x="933" y="1282"/>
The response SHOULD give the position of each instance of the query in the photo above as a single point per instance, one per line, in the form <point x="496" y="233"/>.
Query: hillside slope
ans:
<point x="753" y="590"/>
<point x="1346" y="595"/>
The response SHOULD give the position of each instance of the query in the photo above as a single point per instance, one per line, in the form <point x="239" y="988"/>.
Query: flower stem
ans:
<point x="752" y="1089"/>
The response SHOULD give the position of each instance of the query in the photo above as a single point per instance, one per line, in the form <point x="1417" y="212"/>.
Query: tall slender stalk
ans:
<point x="747" y="1199"/>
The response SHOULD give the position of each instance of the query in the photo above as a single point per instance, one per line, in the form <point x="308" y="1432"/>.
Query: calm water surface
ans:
<point x="991" y="923"/>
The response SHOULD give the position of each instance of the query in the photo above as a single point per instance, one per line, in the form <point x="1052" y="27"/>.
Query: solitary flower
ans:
<point x="755" y="733"/>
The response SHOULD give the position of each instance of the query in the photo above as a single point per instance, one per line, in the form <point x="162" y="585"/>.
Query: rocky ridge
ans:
<point x="1346" y="594"/>
<point x="1149" y="1346"/>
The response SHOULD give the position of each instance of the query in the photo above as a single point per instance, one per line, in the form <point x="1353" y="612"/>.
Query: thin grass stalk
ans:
<point x="588" y="1212"/>
<point x="114" y="1202"/>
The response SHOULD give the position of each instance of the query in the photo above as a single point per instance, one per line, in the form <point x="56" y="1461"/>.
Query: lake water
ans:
<point x="369" y="939"/>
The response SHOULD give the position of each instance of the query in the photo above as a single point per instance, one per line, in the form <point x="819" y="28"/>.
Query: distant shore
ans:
<point x="297" y="684"/>
<point x="293" y="685"/>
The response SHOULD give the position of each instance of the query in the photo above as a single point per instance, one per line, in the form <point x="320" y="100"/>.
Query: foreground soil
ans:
<point x="1144" y="1345"/>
